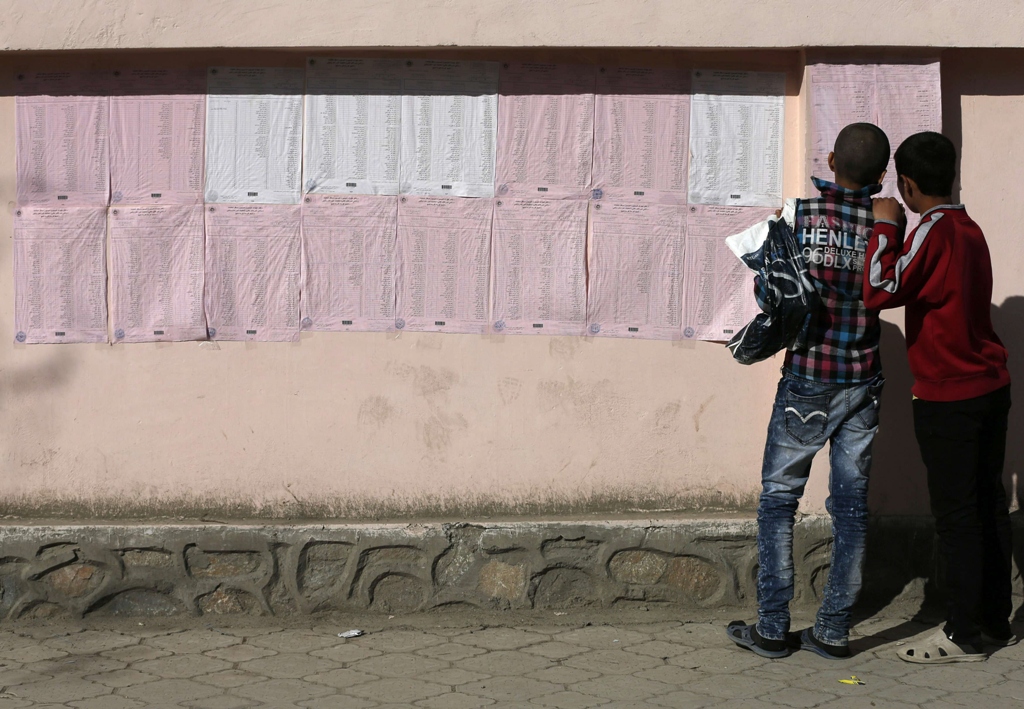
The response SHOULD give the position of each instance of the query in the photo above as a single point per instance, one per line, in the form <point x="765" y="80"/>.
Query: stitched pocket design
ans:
<point x="806" y="416"/>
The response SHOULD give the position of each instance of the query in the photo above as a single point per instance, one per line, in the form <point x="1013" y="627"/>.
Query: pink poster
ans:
<point x="545" y="130"/>
<point x="348" y="261"/>
<point x="901" y="99"/>
<point x="157" y="273"/>
<point x="641" y="134"/>
<point x="60" y="274"/>
<point x="840" y="94"/>
<point x="442" y="264"/>
<point x="636" y="270"/>
<point x="909" y="101"/>
<point x="540" y="272"/>
<point x="157" y="122"/>
<point x="61" y="138"/>
<point x="718" y="288"/>
<point x="253" y="271"/>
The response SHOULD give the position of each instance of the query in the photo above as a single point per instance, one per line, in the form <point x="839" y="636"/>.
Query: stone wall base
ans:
<point x="150" y="569"/>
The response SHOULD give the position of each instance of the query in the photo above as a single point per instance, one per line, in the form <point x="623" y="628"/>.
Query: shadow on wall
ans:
<point x="25" y="415"/>
<point x="899" y="484"/>
<point x="900" y="556"/>
<point x="898" y="479"/>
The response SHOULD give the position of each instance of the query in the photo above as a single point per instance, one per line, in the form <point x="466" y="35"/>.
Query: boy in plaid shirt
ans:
<point x="828" y="392"/>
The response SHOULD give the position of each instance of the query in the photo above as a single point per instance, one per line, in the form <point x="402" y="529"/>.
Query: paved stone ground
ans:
<point x="614" y="660"/>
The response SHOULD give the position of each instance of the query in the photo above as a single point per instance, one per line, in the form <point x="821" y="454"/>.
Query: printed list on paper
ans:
<point x="157" y="273"/>
<point x="353" y="113"/>
<point x="157" y="125"/>
<point x="641" y="134"/>
<point x="736" y="138"/>
<point x="545" y="130"/>
<point x="442" y="264"/>
<point x="254" y="135"/>
<point x="349" y="262"/>
<point x="539" y="278"/>
<point x="60" y="274"/>
<point x="253" y="271"/>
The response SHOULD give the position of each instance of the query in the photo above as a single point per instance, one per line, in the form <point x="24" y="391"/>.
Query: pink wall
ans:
<point x="361" y="425"/>
<point x="148" y="24"/>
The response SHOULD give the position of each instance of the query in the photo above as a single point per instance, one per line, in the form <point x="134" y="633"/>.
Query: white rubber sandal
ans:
<point x="937" y="649"/>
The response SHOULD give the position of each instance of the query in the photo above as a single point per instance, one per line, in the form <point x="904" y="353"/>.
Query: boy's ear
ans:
<point x="881" y="177"/>
<point x="908" y="185"/>
<point x="832" y="161"/>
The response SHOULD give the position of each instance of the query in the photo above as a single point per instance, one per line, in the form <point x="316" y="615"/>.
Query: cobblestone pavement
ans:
<point x="614" y="660"/>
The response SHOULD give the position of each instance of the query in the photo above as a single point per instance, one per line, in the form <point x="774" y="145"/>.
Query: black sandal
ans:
<point x="746" y="636"/>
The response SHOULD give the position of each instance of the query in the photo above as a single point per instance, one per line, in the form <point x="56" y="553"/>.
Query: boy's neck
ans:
<point x="927" y="202"/>
<point x="848" y="184"/>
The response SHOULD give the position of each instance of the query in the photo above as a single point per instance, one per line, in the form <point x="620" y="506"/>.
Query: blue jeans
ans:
<point x="806" y="415"/>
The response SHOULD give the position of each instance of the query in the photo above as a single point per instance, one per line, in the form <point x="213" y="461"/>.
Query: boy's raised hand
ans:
<point x="888" y="209"/>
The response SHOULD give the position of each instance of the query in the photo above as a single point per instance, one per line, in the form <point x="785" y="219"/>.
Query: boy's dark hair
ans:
<point x="861" y="153"/>
<point x="929" y="159"/>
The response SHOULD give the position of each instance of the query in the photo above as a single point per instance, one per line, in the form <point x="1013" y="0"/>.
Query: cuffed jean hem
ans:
<point x="830" y="637"/>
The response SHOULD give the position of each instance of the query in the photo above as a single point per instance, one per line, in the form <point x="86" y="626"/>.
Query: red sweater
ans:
<point x="942" y="273"/>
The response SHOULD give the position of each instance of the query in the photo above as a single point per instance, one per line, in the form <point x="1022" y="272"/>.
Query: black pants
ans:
<point x="963" y="444"/>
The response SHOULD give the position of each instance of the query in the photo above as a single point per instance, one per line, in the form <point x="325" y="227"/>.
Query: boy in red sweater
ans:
<point x="942" y="273"/>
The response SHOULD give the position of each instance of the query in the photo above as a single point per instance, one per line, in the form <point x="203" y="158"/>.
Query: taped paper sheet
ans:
<point x="353" y="112"/>
<point x="901" y="99"/>
<point x="540" y="277"/>
<point x="60" y="274"/>
<point x="253" y="271"/>
<point x="718" y="287"/>
<point x="909" y="101"/>
<point x="736" y="138"/>
<point x="348" y="246"/>
<point x="61" y="138"/>
<point x="254" y="134"/>
<point x="449" y="126"/>
<point x="156" y="273"/>
<point x="157" y="124"/>
<point x="636" y="270"/>
<point x="442" y="264"/>
<point x="840" y="94"/>
<point x="545" y="130"/>
<point x="641" y="134"/>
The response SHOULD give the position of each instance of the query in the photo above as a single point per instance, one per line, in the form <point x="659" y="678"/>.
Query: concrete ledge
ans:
<point x="268" y="569"/>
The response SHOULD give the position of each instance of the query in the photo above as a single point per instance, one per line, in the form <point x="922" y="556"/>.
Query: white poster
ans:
<point x="254" y="135"/>
<point x="353" y="118"/>
<point x="449" y="128"/>
<point x="737" y="128"/>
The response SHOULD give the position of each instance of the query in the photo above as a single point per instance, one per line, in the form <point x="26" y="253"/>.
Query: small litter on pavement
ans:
<point x="351" y="634"/>
<point x="854" y="679"/>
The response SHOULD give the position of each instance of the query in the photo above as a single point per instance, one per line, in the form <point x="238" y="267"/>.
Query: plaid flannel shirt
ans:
<point x="833" y="232"/>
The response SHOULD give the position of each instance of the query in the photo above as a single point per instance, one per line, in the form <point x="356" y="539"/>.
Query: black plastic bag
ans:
<point x="785" y="294"/>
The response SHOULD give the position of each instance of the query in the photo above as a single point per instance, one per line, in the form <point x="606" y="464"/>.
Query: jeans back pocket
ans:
<point x="806" y="416"/>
